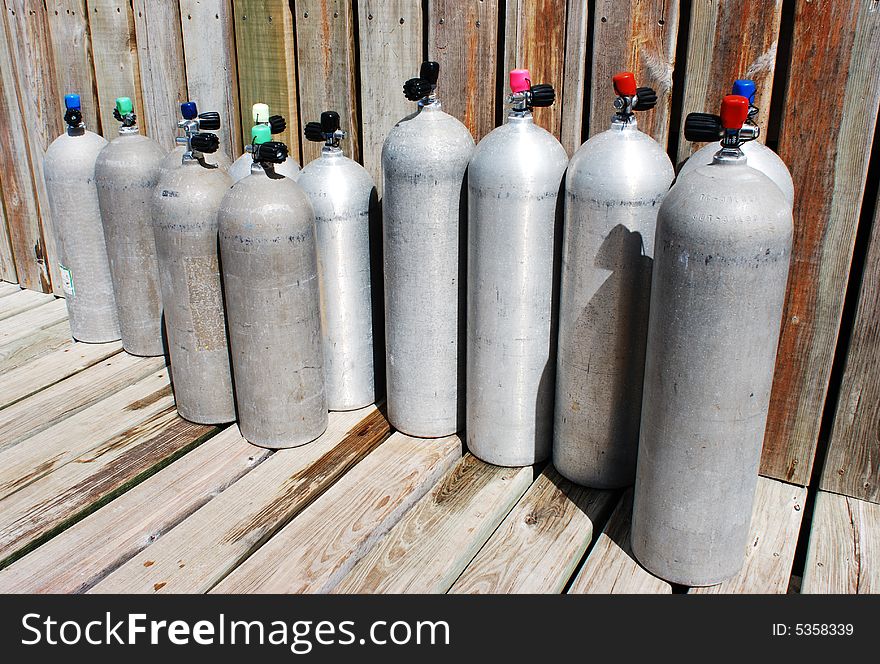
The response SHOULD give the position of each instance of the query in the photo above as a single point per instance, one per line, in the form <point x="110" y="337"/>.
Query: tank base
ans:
<point x="206" y="419"/>
<point x="594" y="482"/>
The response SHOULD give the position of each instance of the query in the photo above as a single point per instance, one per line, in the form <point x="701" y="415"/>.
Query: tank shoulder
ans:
<point x="512" y="144"/>
<point x="433" y="127"/>
<point x="621" y="158"/>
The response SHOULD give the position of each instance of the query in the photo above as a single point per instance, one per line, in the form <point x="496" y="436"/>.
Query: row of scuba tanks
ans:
<point x="576" y="308"/>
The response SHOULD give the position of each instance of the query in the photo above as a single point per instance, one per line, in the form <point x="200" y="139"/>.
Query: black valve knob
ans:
<point x="417" y="88"/>
<point x="703" y="127"/>
<point x="430" y="71"/>
<point x="127" y="120"/>
<point x="543" y="94"/>
<point x="73" y="117"/>
<point x="277" y="124"/>
<point x="329" y="121"/>
<point x="209" y="120"/>
<point x="271" y="151"/>
<point x="206" y="143"/>
<point x="314" y="132"/>
<point x="646" y="99"/>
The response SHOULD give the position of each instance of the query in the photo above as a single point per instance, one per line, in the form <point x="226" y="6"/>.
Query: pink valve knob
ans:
<point x="520" y="80"/>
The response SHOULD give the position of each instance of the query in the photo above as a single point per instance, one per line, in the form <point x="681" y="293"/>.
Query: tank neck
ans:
<point x="520" y="117"/>
<point x="129" y="131"/>
<point x="330" y="151"/>
<point x="624" y="123"/>
<point x="430" y="105"/>
<point x="730" y="157"/>
<point x="79" y="130"/>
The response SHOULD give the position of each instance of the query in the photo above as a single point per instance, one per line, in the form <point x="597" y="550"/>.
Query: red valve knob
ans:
<point x="625" y="84"/>
<point x="520" y="80"/>
<point x="734" y="111"/>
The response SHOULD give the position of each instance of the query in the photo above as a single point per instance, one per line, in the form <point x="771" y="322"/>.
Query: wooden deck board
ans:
<point x="843" y="555"/>
<point x="318" y="548"/>
<point x="18" y="353"/>
<point x="67" y="397"/>
<point x="60" y="496"/>
<point x="773" y="536"/>
<point x="430" y="547"/>
<point x="104" y="425"/>
<point x="213" y="540"/>
<point x="611" y="567"/>
<point x="83" y="554"/>
<point x="539" y="544"/>
<point x="8" y="289"/>
<point x="26" y="323"/>
<point x="62" y="364"/>
<point x="22" y="301"/>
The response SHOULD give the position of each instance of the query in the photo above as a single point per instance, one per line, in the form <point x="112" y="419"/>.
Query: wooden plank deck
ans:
<point x="105" y="489"/>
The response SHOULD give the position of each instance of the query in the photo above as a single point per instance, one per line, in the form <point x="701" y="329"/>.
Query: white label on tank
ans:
<point x="67" y="281"/>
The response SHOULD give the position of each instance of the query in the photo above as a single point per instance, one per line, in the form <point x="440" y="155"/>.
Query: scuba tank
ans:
<point x="126" y="173"/>
<point x="424" y="160"/>
<point x="341" y="192"/>
<point x="720" y="269"/>
<point x="270" y="280"/>
<point x="241" y="167"/>
<point x="707" y="127"/>
<point x="514" y="180"/>
<point x="185" y="206"/>
<point x="613" y="190"/>
<point x="69" y="166"/>
<point x="174" y="159"/>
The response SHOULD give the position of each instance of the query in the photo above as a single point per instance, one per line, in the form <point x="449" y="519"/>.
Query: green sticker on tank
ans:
<point x="67" y="280"/>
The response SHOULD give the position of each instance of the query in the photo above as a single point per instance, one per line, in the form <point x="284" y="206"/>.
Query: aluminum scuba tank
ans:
<point x="514" y="179"/>
<point x="613" y="190"/>
<point x="185" y="205"/>
<point x="721" y="263"/>
<point x="707" y="127"/>
<point x="424" y="160"/>
<point x="69" y="166"/>
<point x="126" y="173"/>
<point x="174" y="159"/>
<point x="270" y="279"/>
<point x="342" y="193"/>
<point x="241" y="167"/>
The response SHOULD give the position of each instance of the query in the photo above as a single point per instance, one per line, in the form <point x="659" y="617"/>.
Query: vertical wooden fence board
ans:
<point x="534" y="39"/>
<point x="639" y="37"/>
<point x="575" y="75"/>
<point x="264" y="40"/>
<point x="390" y="53"/>
<point x="163" y="75"/>
<point x="853" y="460"/>
<point x="72" y="46"/>
<point x="327" y="69"/>
<point x="27" y="30"/>
<point x="826" y="141"/>
<point x="211" y="77"/>
<point x="729" y="40"/>
<point x="463" y="38"/>
<point x="7" y="260"/>
<point x="117" y="73"/>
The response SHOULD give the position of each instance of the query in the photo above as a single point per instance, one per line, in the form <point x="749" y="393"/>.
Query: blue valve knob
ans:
<point x="71" y="102"/>
<point x="744" y="87"/>
<point x="188" y="110"/>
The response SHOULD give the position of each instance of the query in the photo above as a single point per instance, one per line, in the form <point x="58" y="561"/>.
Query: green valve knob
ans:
<point x="124" y="106"/>
<point x="261" y="113"/>
<point x="261" y="134"/>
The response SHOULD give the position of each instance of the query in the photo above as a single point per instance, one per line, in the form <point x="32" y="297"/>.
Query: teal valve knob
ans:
<point x="260" y="134"/>
<point x="124" y="105"/>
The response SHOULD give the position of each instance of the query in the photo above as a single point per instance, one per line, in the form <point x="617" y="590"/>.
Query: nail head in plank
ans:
<point x="843" y="555"/>
<point x="430" y="547"/>
<point x="79" y="557"/>
<point x="319" y="547"/>
<point x="831" y="42"/>
<point x="538" y="546"/>
<point x="229" y="528"/>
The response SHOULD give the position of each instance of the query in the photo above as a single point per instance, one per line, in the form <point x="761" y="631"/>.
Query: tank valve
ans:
<point x="525" y="96"/>
<point x="326" y="130"/>
<point x="194" y="126"/>
<point x="124" y="112"/>
<point x="731" y="127"/>
<point x="73" y="114"/>
<point x="631" y="98"/>
<point x="423" y="89"/>
<point x="273" y="152"/>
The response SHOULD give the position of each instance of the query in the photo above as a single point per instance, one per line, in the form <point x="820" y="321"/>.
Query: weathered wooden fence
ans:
<point x="814" y="61"/>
